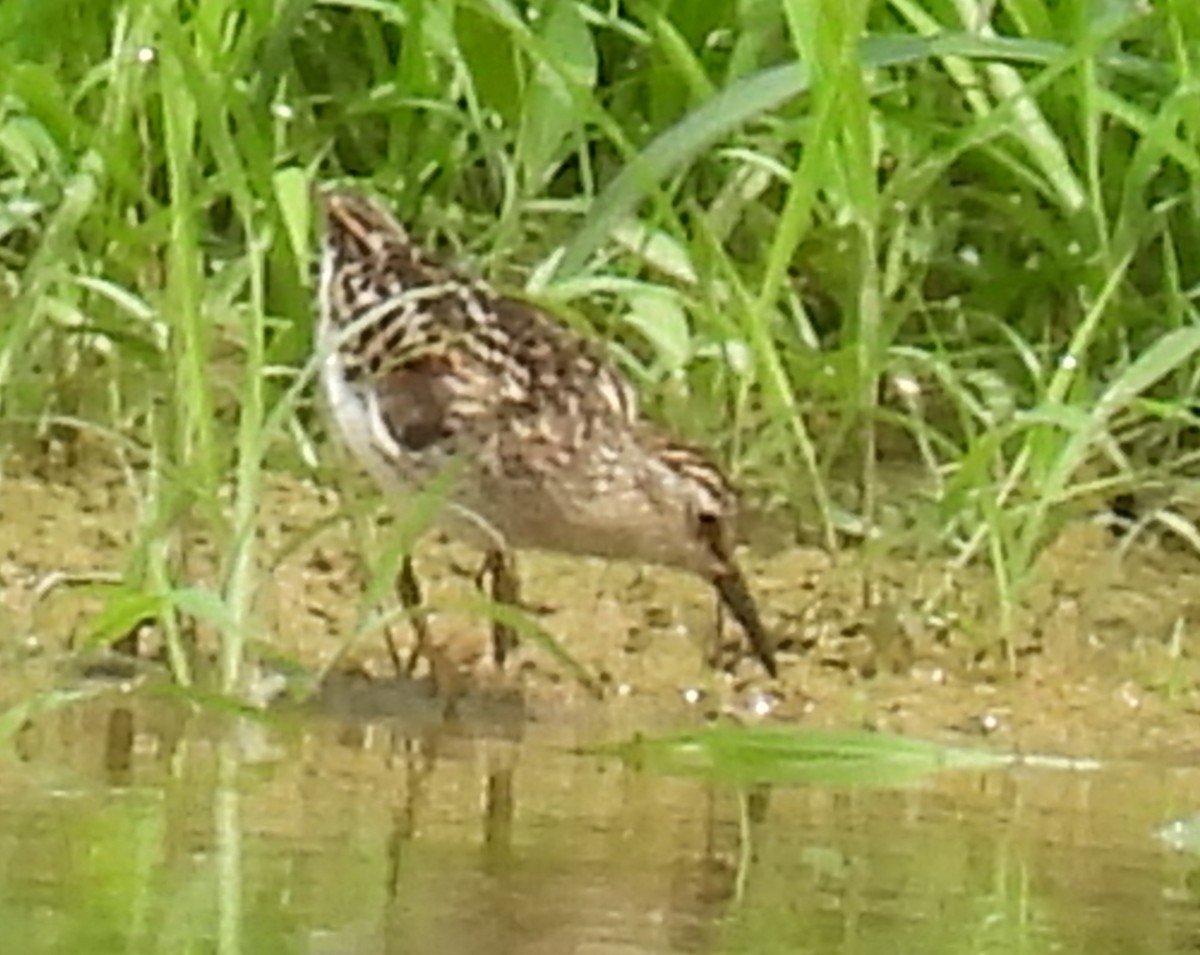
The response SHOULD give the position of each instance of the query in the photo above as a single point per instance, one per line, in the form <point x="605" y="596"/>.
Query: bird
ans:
<point x="433" y="376"/>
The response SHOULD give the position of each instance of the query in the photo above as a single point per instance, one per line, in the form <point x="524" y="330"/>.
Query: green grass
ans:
<point x="748" y="755"/>
<point x="834" y="241"/>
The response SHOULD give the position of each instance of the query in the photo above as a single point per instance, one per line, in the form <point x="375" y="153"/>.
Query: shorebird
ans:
<point x="428" y="373"/>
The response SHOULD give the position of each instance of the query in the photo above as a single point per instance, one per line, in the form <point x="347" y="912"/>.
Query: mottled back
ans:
<point x="449" y="354"/>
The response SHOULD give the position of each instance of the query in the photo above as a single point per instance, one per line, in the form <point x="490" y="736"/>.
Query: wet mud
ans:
<point x="1099" y="659"/>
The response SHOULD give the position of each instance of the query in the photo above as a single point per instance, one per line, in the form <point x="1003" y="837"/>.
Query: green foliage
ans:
<point x="747" y="755"/>
<point x="833" y="240"/>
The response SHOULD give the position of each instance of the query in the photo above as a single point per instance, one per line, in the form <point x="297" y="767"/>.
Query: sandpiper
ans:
<point x="429" y="374"/>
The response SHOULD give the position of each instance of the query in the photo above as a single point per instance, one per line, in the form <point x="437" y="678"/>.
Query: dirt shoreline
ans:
<point x="1103" y="667"/>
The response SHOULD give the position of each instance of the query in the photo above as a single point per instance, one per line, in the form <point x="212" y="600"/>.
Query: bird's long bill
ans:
<point x="731" y="586"/>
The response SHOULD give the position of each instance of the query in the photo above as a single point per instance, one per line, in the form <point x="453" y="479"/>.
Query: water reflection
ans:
<point x="158" y="828"/>
<point x="118" y="746"/>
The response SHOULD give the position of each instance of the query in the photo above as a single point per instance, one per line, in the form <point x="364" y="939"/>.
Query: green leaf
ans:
<point x="765" y="754"/>
<point x="203" y="605"/>
<point x="13" y="719"/>
<point x="123" y="611"/>
<point x="291" y="192"/>
<point x="659" y="315"/>
<point x="548" y="114"/>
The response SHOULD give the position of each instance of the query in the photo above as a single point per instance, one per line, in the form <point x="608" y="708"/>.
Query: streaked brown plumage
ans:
<point x="426" y="371"/>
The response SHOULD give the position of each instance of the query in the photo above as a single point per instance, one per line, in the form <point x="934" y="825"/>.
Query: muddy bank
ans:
<point x="1102" y="650"/>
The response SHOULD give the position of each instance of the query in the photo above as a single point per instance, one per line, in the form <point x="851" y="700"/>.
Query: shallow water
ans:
<point x="373" y="822"/>
<point x="141" y="827"/>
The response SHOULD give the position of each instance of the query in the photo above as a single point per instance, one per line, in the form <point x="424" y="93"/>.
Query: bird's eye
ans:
<point x="712" y="531"/>
<point x="712" y="535"/>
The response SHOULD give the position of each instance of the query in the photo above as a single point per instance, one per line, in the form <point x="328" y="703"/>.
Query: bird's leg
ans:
<point x="501" y="568"/>
<point x="408" y="589"/>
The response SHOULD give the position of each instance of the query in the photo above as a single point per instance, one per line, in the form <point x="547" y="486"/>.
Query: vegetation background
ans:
<point x="921" y="271"/>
